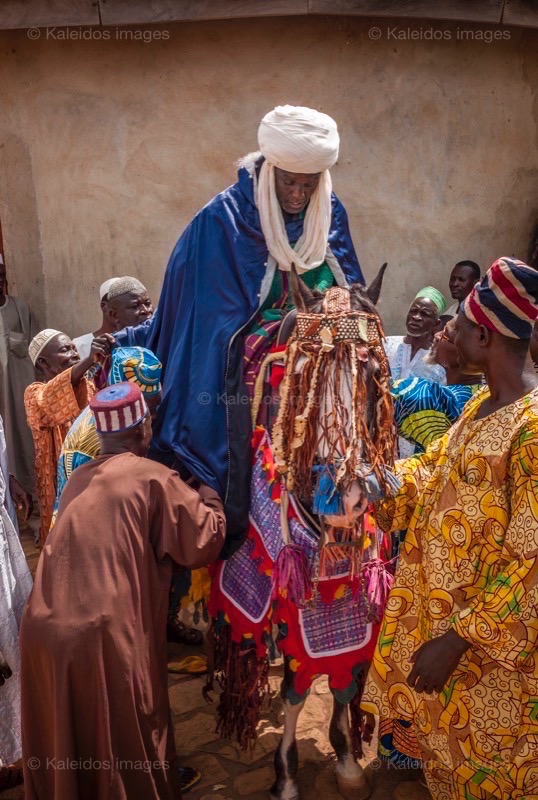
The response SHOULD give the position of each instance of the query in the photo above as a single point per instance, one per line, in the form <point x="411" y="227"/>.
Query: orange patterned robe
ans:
<point x="50" y="409"/>
<point x="469" y="560"/>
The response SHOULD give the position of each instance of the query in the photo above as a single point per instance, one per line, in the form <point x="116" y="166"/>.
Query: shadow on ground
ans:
<point x="230" y="774"/>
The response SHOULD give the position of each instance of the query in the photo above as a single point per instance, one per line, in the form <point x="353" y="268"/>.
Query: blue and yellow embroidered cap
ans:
<point x="137" y="365"/>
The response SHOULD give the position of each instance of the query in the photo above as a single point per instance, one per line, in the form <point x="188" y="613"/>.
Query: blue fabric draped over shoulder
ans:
<point x="212" y="288"/>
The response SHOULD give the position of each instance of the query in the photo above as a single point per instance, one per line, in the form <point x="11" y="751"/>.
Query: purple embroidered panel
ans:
<point x="264" y="512"/>
<point x="305" y="538"/>
<point x="241" y="580"/>
<point x="335" y="627"/>
<point x="243" y="583"/>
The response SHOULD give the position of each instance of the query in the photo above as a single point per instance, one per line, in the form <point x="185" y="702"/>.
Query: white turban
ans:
<point x="297" y="139"/>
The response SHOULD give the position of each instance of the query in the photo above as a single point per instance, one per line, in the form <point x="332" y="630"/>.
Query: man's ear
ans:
<point x="484" y="336"/>
<point x="42" y="366"/>
<point x="439" y="325"/>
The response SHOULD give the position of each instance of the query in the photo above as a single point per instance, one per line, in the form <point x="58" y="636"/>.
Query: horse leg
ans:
<point x="350" y="776"/>
<point x="286" y="756"/>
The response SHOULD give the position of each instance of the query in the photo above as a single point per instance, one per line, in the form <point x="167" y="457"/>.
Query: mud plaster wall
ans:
<point x="107" y="148"/>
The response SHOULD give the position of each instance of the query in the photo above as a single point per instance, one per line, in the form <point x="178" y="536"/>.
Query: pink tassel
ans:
<point x="291" y="576"/>
<point x="377" y="585"/>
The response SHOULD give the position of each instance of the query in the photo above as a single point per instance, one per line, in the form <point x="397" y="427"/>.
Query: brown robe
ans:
<point x="93" y="635"/>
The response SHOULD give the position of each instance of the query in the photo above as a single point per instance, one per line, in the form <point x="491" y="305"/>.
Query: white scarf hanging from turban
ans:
<point x="297" y="139"/>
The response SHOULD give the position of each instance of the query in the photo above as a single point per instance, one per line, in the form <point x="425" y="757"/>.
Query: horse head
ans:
<point x="335" y="423"/>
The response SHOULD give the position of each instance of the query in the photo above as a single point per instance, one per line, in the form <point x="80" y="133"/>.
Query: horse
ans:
<point x="309" y="564"/>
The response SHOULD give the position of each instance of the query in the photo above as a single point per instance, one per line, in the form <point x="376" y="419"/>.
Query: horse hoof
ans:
<point x="353" y="789"/>
<point x="292" y="793"/>
<point x="286" y="766"/>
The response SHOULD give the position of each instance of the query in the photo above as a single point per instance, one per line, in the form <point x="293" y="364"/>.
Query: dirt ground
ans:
<point x="228" y="773"/>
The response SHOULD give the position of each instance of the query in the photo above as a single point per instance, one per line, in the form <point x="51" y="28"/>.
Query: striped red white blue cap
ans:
<point x="118" y="408"/>
<point x="506" y="300"/>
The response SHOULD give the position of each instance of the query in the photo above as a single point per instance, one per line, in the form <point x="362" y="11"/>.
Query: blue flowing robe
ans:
<point x="217" y="278"/>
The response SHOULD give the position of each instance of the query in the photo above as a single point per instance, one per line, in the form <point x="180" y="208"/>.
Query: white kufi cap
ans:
<point x="124" y="285"/>
<point x="103" y="289"/>
<point x="39" y="342"/>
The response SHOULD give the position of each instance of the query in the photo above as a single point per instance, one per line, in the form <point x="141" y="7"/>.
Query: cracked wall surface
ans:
<point x="108" y="147"/>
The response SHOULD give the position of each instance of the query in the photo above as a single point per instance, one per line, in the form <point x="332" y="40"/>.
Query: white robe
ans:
<point x="15" y="585"/>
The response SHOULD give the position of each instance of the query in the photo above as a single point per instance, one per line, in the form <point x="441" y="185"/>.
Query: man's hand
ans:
<point x="5" y="671"/>
<point x="435" y="661"/>
<point x="102" y="348"/>
<point x="21" y="499"/>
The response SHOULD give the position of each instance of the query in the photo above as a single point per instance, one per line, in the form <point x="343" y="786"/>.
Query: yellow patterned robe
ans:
<point x="470" y="560"/>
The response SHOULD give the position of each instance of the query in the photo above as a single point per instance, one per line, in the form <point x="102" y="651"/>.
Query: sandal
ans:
<point x="188" y="779"/>
<point x="191" y="665"/>
<point x="178" y="633"/>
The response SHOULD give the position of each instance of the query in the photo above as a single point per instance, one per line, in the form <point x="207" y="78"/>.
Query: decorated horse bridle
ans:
<point x="335" y="339"/>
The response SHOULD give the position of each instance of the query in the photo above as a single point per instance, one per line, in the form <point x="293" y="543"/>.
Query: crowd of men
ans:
<point x="135" y="477"/>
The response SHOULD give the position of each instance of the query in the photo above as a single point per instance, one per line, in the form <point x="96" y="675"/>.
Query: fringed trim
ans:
<point x="291" y="575"/>
<point x="377" y="585"/>
<point x="362" y="723"/>
<point x="340" y="668"/>
<point x="327" y="499"/>
<point x="243" y="677"/>
<point x="274" y="355"/>
<point x="279" y="446"/>
<point x="318" y="423"/>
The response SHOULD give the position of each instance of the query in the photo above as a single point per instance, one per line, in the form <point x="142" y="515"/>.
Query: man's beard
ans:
<point x="431" y="359"/>
<point x="415" y="335"/>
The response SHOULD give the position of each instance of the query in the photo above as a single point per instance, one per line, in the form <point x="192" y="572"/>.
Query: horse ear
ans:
<point x="374" y="289"/>
<point x="301" y="295"/>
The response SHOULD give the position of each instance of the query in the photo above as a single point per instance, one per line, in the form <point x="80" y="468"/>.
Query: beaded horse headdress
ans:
<point x="335" y="418"/>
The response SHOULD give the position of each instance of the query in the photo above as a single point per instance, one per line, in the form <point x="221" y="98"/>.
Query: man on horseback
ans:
<point x="226" y="291"/>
